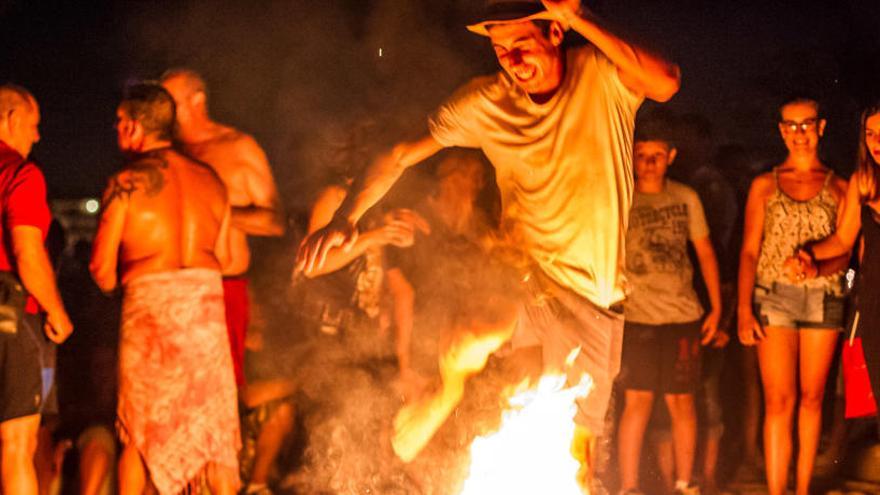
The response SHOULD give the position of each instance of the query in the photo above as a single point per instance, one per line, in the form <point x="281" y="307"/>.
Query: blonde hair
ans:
<point x="866" y="167"/>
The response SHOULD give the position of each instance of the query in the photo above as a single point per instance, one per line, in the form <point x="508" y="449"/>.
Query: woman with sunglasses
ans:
<point x="798" y="201"/>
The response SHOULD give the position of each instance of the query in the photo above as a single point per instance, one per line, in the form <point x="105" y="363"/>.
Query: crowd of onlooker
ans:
<point x="387" y="305"/>
<point x="719" y="303"/>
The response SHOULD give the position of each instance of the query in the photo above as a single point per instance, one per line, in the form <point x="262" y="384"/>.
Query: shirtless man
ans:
<point x="164" y="226"/>
<point x="243" y="167"/>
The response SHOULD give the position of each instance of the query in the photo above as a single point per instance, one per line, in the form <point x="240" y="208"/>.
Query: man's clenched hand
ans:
<point x="563" y="10"/>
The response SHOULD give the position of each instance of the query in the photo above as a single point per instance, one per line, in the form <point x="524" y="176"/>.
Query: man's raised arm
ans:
<point x="639" y="70"/>
<point x="365" y="192"/>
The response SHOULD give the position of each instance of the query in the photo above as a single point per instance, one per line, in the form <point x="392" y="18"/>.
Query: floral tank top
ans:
<point x="788" y="224"/>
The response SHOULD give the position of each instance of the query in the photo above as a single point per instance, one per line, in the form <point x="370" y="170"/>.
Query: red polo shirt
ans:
<point x="22" y="202"/>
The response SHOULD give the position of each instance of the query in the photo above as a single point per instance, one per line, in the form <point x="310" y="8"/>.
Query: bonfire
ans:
<point x="531" y="451"/>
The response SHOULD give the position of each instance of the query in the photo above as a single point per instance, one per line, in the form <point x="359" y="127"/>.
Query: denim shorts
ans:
<point x="798" y="307"/>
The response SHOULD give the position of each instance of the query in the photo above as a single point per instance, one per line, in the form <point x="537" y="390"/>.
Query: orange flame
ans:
<point x="531" y="452"/>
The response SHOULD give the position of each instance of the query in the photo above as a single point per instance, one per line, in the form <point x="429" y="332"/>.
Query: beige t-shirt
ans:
<point x="564" y="168"/>
<point x="659" y="271"/>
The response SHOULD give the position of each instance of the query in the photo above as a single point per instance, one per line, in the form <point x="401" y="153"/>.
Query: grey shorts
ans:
<point x="792" y="306"/>
<point x="559" y="321"/>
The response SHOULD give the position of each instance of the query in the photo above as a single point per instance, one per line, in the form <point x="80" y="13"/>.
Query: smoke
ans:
<point x="287" y="71"/>
<point x="347" y="406"/>
<point x="301" y="76"/>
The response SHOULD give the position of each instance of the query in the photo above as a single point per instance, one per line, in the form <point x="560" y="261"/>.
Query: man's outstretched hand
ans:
<point x="313" y="249"/>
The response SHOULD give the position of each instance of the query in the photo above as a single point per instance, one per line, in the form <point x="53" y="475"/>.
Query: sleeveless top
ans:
<point x="788" y="224"/>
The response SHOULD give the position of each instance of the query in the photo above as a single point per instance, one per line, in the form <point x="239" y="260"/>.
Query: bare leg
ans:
<point x="666" y="461"/>
<point x="132" y="474"/>
<point x="817" y="350"/>
<point x="711" y="448"/>
<point x="631" y="432"/>
<point x="44" y="460"/>
<point x="777" y="355"/>
<point x="710" y="398"/>
<point x="752" y="405"/>
<point x="96" y="459"/>
<point x="18" y="442"/>
<point x="833" y="455"/>
<point x="684" y="433"/>
<point x="222" y="480"/>
<point x="270" y="441"/>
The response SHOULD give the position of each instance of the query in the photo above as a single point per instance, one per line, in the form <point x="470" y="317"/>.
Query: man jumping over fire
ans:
<point x="557" y="125"/>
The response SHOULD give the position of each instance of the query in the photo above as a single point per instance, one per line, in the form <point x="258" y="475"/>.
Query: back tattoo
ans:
<point x="144" y="174"/>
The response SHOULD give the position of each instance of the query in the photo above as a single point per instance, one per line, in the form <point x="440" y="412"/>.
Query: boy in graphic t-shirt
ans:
<point x="665" y="322"/>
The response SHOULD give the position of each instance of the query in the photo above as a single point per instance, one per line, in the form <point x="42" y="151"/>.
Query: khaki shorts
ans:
<point x="559" y="321"/>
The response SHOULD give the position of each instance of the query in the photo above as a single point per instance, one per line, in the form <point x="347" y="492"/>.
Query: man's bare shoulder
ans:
<point x="144" y="175"/>
<point x="235" y="142"/>
<point x="246" y="145"/>
<point x="202" y="170"/>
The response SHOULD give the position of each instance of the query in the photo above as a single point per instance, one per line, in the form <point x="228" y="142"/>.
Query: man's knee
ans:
<point x="18" y="437"/>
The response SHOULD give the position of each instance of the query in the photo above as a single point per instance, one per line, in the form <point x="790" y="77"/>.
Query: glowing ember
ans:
<point x="531" y="452"/>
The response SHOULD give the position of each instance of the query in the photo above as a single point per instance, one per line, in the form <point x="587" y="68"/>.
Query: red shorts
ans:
<point x="235" y="295"/>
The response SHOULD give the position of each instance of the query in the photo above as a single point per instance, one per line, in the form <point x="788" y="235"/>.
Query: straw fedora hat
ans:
<point x="509" y="11"/>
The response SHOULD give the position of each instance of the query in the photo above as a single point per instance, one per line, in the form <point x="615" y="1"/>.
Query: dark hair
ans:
<point x="655" y="129"/>
<point x="152" y="106"/>
<point x="866" y="167"/>
<point x="544" y="25"/>
<point x="796" y="99"/>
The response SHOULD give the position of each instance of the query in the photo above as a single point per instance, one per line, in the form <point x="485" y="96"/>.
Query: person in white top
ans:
<point x="557" y="126"/>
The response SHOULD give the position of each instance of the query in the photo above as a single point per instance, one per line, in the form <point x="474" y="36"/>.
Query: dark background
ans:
<point x="294" y="72"/>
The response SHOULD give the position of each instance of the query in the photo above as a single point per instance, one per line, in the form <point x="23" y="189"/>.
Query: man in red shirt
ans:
<point x="25" y="223"/>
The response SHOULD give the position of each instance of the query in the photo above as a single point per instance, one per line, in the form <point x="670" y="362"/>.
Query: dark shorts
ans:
<point x="661" y="358"/>
<point x="708" y="401"/>
<point x="21" y="373"/>
<point x="559" y="321"/>
<point x="792" y="306"/>
<point x="235" y="296"/>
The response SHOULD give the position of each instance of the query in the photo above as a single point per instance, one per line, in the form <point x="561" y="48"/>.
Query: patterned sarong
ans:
<point x="177" y="394"/>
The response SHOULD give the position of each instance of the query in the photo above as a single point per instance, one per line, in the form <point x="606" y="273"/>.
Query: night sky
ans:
<point x="290" y="72"/>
